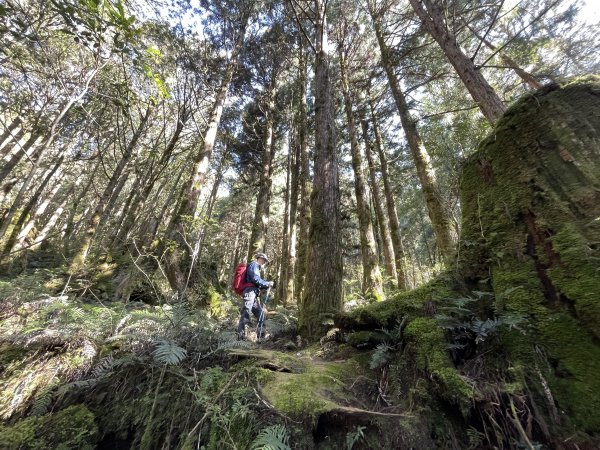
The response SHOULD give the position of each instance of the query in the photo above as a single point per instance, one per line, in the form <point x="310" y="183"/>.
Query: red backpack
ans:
<point x="239" y="279"/>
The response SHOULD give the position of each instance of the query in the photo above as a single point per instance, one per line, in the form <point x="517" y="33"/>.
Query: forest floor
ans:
<point x="68" y="346"/>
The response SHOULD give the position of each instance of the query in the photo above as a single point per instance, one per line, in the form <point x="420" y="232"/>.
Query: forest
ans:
<point x="418" y="181"/>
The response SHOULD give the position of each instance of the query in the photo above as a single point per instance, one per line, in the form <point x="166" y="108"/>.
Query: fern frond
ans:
<point x="169" y="353"/>
<point x="42" y="402"/>
<point x="380" y="356"/>
<point x="274" y="437"/>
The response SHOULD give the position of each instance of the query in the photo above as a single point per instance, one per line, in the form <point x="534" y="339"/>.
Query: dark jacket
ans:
<point x="253" y="276"/>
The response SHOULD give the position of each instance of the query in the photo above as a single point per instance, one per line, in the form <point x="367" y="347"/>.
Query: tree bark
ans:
<point x="530" y="199"/>
<point x="378" y="200"/>
<point x="289" y="291"/>
<point x="323" y="292"/>
<point x="395" y="233"/>
<point x="261" y="213"/>
<point x="441" y="221"/>
<point x="284" y="273"/>
<point x="304" y="178"/>
<point x="484" y="95"/>
<point x="372" y="286"/>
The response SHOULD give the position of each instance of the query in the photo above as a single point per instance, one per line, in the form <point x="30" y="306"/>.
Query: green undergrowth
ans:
<point x="146" y="376"/>
<point x="72" y="428"/>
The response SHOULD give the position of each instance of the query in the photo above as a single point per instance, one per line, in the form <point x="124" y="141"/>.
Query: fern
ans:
<point x="354" y="436"/>
<point x="169" y="353"/>
<point x="42" y="402"/>
<point x="381" y="356"/>
<point x="274" y="437"/>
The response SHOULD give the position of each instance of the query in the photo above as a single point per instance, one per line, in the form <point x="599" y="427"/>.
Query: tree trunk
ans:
<point x="531" y="199"/>
<point x="261" y="213"/>
<point x="146" y="237"/>
<point x="382" y="220"/>
<point x="284" y="273"/>
<point x="210" y="204"/>
<point x="178" y="256"/>
<point x="304" y="179"/>
<point x="50" y="223"/>
<point x="8" y="246"/>
<point x="372" y="282"/>
<point x="323" y="292"/>
<point x="442" y="224"/>
<point x="289" y="291"/>
<point x="70" y="222"/>
<point x="10" y="138"/>
<point x="484" y="95"/>
<point x="395" y="233"/>
<point x="19" y="154"/>
<point x="109" y="191"/>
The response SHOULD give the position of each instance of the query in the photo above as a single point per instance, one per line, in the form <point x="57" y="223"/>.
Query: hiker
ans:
<point x="251" y="296"/>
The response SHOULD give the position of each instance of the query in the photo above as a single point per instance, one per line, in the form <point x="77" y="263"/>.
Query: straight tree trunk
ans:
<point x="323" y="291"/>
<point x="484" y="95"/>
<point x="261" y="213"/>
<point x="146" y="237"/>
<point x="440" y="220"/>
<point x="304" y="179"/>
<point x="70" y="222"/>
<point x="124" y="213"/>
<point x="395" y="233"/>
<point x="382" y="219"/>
<point x="288" y="296"/>
<point x="285" y="240"/>
<point x="372" y="282"/>
<point x="210" y="204"/>
<point x="178" y="256"/>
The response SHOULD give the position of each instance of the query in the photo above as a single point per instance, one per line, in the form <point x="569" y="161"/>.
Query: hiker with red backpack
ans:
<point x="248" y="285"/>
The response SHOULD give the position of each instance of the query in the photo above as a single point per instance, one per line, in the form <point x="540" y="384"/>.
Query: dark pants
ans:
<point x="251" y="304"/>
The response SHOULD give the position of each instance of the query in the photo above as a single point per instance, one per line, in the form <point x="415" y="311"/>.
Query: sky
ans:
<point x="590" y="11"/>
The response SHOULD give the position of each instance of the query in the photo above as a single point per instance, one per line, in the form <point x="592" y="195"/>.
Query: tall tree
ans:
<point x="378" y="203"/>
<point x="179" y="254"/>
<point x="372" y="281"/>
<point x="323" y="291"/>
<point x="484" y="95"/>
<point x="440" y="219"/>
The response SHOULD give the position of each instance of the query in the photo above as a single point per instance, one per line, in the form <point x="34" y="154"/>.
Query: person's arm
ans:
<point x="254" y="276"/>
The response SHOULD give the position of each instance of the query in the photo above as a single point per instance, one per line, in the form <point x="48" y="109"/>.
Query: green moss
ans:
<point x="428" y="345"/>
<point x="309" y="394"/>
<point x="389" y="313"/>
<point x="71" y="428"/>
<point x="530" y="210"/>
<point x="368" y="339"/>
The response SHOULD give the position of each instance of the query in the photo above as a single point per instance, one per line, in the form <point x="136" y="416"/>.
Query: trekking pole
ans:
<point x="262" y="314"/>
